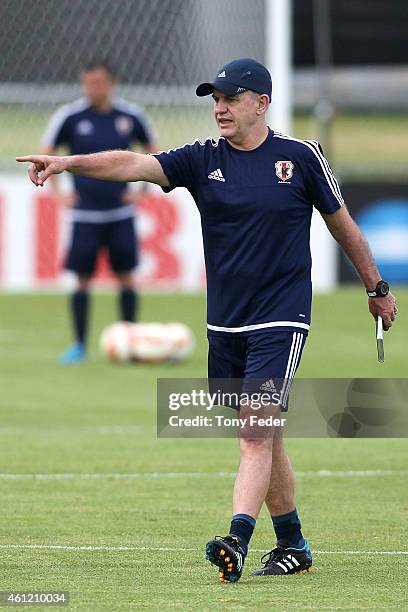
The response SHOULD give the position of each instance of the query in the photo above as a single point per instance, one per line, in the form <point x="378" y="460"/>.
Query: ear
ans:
<point x="263" y="103"/>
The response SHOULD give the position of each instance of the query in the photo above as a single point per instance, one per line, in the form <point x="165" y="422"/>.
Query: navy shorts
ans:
<point x="258" y="363"/>
<point x="88" y="239"/>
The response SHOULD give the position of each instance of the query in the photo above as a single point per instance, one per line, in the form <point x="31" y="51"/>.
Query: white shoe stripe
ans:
<point x="282" y="566"/>
<point x="288" y="563"/>
<point x="295" y="561"/>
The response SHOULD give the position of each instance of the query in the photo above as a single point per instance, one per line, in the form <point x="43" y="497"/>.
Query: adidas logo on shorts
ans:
<point x="268" y="385"/>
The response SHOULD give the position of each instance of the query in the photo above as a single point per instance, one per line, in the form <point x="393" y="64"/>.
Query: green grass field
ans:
<point x="99" y="419"/>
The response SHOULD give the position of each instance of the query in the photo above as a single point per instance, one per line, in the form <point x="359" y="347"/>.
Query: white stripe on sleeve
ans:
<point x="328" y="174"/>
<point x="327" y="166"/>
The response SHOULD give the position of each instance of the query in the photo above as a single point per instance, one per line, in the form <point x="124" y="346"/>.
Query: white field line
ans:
<point x="147" y="475"/>
<point x="168" y="549"/>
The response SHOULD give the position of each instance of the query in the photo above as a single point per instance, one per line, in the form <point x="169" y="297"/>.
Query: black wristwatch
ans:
<point x="382" y="289"/>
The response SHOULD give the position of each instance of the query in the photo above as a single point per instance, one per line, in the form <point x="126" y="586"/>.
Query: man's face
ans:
<point x="97" y="85"/>
<point x="236" y="115"/>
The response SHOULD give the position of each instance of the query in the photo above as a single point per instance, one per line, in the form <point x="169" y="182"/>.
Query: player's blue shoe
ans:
<point x="75" y="354"/>
<point x="284" y="560"/>
<point x="227" y="554"/>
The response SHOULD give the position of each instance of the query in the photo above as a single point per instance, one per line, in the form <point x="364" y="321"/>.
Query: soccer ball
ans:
<point x="181" y="338"/>
<point x="117" y="341"/>
<point x="150" y="344"/>
<point x="147" y="342"/>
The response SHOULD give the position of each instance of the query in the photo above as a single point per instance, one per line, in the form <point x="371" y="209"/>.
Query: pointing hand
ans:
<point x="42" y="166"/>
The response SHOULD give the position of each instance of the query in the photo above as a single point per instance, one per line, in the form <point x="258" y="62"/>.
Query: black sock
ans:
<point x="287" y="527"/>
<point x="242" y="526"/>
<point x="128" y="302"/>
<point x="79" y="311"/>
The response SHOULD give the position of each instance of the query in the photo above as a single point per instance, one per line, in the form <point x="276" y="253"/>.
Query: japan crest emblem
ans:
<point x="284" y="170"/>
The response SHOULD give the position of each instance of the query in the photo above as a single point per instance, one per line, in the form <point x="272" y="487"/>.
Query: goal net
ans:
<point x="160" y="48"/>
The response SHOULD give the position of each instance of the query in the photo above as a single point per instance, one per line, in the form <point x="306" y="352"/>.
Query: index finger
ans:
<point x="27" y="158"/>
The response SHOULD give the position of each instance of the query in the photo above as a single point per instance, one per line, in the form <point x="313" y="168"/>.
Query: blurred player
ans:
<point x="102" y="214"/>
<point x="255" y="190"/>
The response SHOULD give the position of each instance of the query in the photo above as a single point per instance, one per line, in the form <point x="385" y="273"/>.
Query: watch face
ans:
<point x="384" y="288"/>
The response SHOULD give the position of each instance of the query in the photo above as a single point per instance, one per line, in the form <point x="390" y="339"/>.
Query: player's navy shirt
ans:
<point x="83" y="130"/>
<point x="256" y="208"/>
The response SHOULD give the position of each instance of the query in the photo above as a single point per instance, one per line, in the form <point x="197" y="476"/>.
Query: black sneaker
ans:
<point x="227" y="554"/>
<point x="284" y="560"/>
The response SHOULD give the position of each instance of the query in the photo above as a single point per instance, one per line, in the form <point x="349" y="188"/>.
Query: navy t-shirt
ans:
<point x="83" y="130"/>
<point x="256" y="208"/>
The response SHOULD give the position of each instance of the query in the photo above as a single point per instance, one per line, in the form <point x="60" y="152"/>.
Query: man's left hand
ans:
<point x="385" y="307"/>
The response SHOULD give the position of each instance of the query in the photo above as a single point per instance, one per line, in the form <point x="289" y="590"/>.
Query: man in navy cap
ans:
<point x="255" y="190"/>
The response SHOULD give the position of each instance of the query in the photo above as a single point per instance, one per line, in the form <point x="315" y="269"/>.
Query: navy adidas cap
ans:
<point x="238" y="76"/>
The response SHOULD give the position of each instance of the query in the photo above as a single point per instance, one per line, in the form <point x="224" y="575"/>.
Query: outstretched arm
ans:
<point x="351" y="239"/>
<point x="109" y="165"/>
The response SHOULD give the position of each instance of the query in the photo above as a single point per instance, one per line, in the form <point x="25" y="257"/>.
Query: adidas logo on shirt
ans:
<point x="216" y="175"/>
